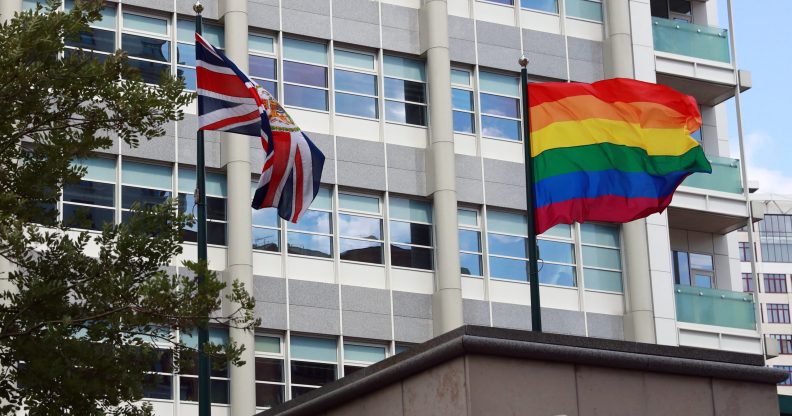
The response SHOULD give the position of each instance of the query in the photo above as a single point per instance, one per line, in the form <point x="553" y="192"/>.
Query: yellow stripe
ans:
<point x="656" y="142"/>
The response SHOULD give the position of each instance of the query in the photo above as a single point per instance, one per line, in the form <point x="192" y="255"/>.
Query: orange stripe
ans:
<point x="583" y="107"/>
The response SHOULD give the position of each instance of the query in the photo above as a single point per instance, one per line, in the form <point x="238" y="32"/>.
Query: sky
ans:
<point x="763" y="30"/>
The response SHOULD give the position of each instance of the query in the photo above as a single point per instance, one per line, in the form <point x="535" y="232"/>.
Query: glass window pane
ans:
<point x="264" y="343"/>
<point x="323" y="200"/>
<point x="157" y="386"/>
<point x="305" y="74"/>
<point x="270" y="86"/>
<point x="359" y="203"/>
<point x="703" y="280"/>
<point x="267" y="217"/>
<point x="360" y="250"/>
<point x="215" y="233"/>
<point x="266" y="239"/>
<point x="356" y="105"/>
<point x="413" y="257"/>
<point x="462" y="99"/>
<point x="94" y="39"/>
<point x="470" y="264"/>
<point x="297" y="391"/>
<point x="682" y="268"/>
<point x="148" y="175"/>
<point x="601" y="257"/>
<point x="556" y="274"/>
<point x="215" y="35"/>
<point x="357" y="226"/>
<point x="398" y="89"/>
<point x="269" y="369"/>
<point x="363" y="353"/>
<point x="411" y="233"/>
<point x="310" y="245"/>
<point x="260" y="43"/>
<point x="506" y="245"/>
<point x="603" y="280"/>
<point x="97" y="169"/>
<point x="584" y="9"/>
<point x="145" y="47"/>
<point x="305" y="51"/>
<point x="410" y="210"/>
<point x="460" y="77"/>
<point x="87" y="192"/>
<point x="88" y="218"/>
<point x="463" y="122"/>
<point x="145" y="23"/>
<point x="550" y="6"/>
<point x="260" y="66"/>
<point x="469" y="240"/>
<point x="355" y="82"/>
<point x="506" y="222"/>
<point x="512" y="269"/>
<point x="354" y="59"/>
<point x="599" y="234"/>
<point x="185" y="31"/>
<point x="404" y="68"/>
<point x="146" y="197"/>
<point x="500" y="128"/>
<point x="309" y="348"/>
<point x="467" y="217"/>
<point x="188" y="74"/>
<point x="269" y="395"/>
<point x="215" y="208"/>
<point x="560" y="230"/>
<point x="556" y="251"/>
<point x="500" y="106"/>
<point x="305" y="97"/>
<point x="398" y="112"/>
<point x="314" y="221"/>
<point x="149" y="72"/>
<point x="499" y="84"/>
<point x="700" y="261"/>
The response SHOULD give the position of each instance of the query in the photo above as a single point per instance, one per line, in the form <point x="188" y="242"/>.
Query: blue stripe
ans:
<point x="211" y="104"/>
<point x="202" y="54"/>
<point x="317" y="164"/>
<point x="575" y="185"/>
<point x="285" y="209"/>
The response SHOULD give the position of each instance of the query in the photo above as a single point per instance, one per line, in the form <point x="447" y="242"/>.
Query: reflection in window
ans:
<point x="270" y="372"/>
<point x="90" y="203"/>
<point x="405" y="90"/>
<point x="355" y="84"/>
<point x="508" y="245"/>
<point x="357" y="356"/>
<point x="500" y="106"/>
<point x="100" y="38"/>
<point x="305" y="74"/>
<point x="262" y="66"/>
<point x="145" y="184"/>
<point x="314" y="363"/>
<point x="266" y="229"/>
<point x="360" y="228"/>
<point x="411" y="234"/>
<point x="218" y="375"/>
<point x="146" y="40"/>
<point x="550" y="6"/>
<point x="601" y="251"/>
<point x="692" y="269"/>
<point x="312" y="234"/>
<point x="462" y="101"/>
<point x="470" y="250"/>
<point x="585" y="9"/>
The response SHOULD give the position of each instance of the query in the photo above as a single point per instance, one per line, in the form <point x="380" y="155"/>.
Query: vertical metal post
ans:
<point x="204" y="399"/>
<point x="533" y="249"/>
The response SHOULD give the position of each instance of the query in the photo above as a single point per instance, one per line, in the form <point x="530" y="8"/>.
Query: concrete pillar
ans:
<point x="447" y="299"/>
<point x="7" y="9"/>
<point x="236" y="157"/>
<point x="639" y="317"/>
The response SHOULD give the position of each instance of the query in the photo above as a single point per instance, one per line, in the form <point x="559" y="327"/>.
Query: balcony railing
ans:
<point x="687" y="39"/>
<point x="715" y="307"/>
<point x="725" y="176"/>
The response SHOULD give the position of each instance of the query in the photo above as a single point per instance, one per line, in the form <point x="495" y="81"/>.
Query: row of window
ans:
<point x="581" y="9"/>
<point x="775" y="237"/>
<point x="777" y="313"/>
<point x="773" y="283"/>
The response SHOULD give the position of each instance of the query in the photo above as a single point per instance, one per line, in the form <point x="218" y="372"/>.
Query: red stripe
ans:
<point x="233" y="120"/>
<point x="614" y="90"/>
<point x="280" y="161"/>
<point x="221" y="83"/>
<point x="298" y="188"/>
<point x="608" y="208"/>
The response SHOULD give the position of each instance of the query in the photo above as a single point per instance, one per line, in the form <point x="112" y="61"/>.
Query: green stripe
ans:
<point x="604" y="156"/>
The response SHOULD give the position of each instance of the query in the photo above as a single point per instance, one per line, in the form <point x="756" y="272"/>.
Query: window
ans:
<point x="462" y="101"/>
<point x="788" y="369"/>
<point x="775" y="235"/>
<point x="158" y="382"/>
<point x="745" y="252"/>
<point x="314" y="363"/>
<point x="679" y="10"/>
<point x="360" y="228"/>
<point x="778" y="313"/>
<point x="775" y="283"/>
<point x="784" y="342"/>
<point x="215" y="205"/>
<point x="747" y="282"/>
<point x="411" y="234"/>
<point x="500" y="106"/>
<point x="185" y="48"/>
<point x="355" y="84"/>
<point x="90" y="203"/>
<point x="691" y="269"/>
<point x="262" y="66"/>
<point x="550" y="6"/>
<point x="405" y="90"/>
<point x="312" y="234"/>
<point x="266" y="229"/>
<point x="585" y="9"/>
<point x="218" y="377"/>
<point x="305" y="74"/>
<point x="507" y="243"/>
<point x="100" y="38"/>
<point x="601" y="253"/>
<point x="357" y="356"/>
<point x="506" y="2"/>
<point x="270" y="374"/>
<point x="470" y="251"/>
<point x="557" y="257"/>
<point x="145" y="184"/>
<point x="146" y="40"/>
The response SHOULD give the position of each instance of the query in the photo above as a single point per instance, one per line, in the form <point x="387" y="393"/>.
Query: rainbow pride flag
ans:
<point x="613" y="151"/>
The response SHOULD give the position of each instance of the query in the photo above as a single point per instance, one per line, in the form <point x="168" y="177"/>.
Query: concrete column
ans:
<point x="7" y="9"/>
<point x="447" y="299"/>
<point x="639" y="317"/>
<point x="236" y="156"/>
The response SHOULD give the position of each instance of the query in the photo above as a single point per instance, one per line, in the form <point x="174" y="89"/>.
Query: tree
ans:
<point x="78" y="331"/>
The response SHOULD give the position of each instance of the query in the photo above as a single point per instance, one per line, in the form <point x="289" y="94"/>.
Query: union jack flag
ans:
<point x="228" y="100"/>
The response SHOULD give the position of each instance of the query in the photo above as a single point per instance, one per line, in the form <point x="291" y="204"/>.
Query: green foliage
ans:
<point x="80" y="313"/>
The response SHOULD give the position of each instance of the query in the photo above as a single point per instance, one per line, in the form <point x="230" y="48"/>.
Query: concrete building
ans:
<point x="420" y="225"/>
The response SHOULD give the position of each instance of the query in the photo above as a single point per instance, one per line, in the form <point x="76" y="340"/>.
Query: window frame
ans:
<point x="483" y="114"/>
<point x="620" y="250"/>
<point x="338" y="211"/>
<point x="775" y="283"/>
<point x="779" y="314"/>
<point x="478" y="229"/>
<point x="273" y="356"/>
<point x="470" y="88"/>
<point x="490" y="254"/>
<point x="116" y="197"/>
<point x="373" y="72"/>
<point x="391" y="242"/>
<point x="270" y="55"/>
<point x="283" y="82"/>
<point x="360" y="364"/>
<point x="168" y="37"/>
<point x="330" y="234"/>
<point x="385" y="98"/>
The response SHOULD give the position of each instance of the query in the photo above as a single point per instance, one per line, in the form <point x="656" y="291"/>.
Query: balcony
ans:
<point x="715" y="307"/>
<point x="712" y="203"/>
<point x="696" y="60"/>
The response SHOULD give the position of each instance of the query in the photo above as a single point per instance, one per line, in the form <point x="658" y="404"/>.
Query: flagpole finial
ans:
<point x="523" y="61"/>
<point x="198" y="7"/>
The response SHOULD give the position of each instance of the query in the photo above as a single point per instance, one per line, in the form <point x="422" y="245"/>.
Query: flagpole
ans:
<point x="204" y="402"/>
<point x="533" y="249"/>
